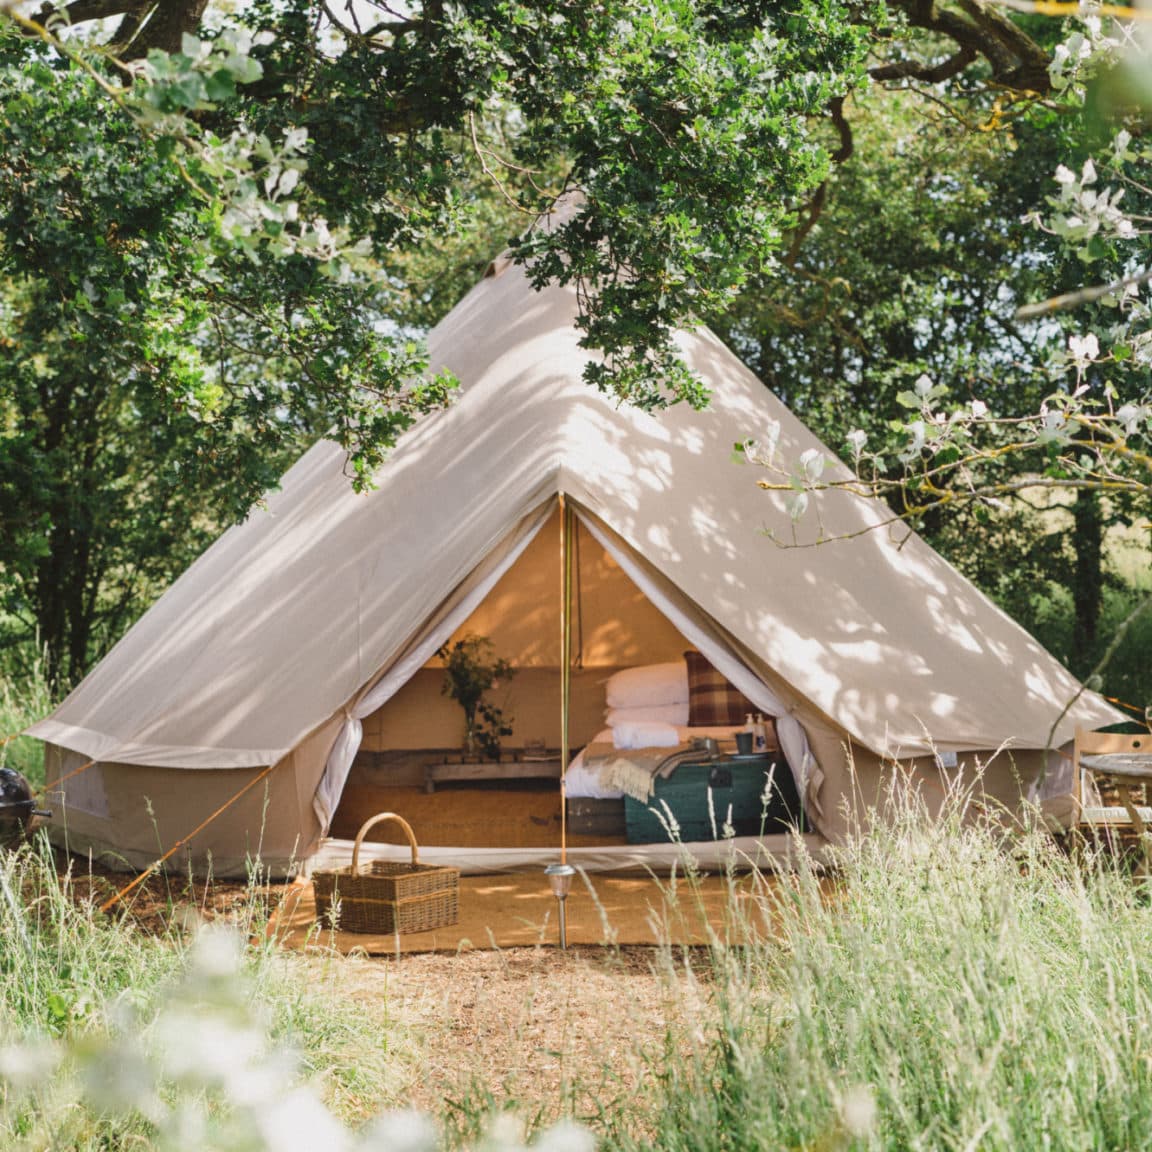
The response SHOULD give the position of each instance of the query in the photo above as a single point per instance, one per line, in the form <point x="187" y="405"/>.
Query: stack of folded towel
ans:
<point x="647" y="704"/>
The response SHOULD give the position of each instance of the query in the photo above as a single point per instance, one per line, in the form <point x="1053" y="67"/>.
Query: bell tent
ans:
<point x="309" y="632"/>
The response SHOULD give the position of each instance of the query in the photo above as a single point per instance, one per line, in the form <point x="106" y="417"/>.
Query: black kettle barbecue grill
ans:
<point x="16" y="808"/>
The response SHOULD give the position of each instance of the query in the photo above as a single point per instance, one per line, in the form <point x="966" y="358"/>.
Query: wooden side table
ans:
<point x="490" y="770"/>
<point x="1126" y="770"/>
<point x="1118" y="761"/>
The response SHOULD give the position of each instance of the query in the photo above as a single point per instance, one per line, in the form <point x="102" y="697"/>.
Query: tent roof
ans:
<point x="285" y="618"/>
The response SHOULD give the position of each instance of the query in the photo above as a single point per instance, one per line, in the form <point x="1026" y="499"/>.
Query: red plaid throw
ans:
<point x="712" y="701"/>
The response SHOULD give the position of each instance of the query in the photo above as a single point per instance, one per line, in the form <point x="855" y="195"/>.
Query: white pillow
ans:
<point x="648" y="685"/>
<point x="663" y="713"/>
<point x="645" y="734"/>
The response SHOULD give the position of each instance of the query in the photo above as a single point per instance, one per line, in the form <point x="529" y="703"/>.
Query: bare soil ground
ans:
<point x="160" y="900"/>
<point x="537" y="1030"/>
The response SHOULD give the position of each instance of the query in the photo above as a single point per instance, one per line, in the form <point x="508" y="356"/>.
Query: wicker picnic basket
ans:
<point x="388" y="897"/>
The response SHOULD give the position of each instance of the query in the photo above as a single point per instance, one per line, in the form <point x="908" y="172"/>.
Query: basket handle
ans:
<point x="377" y="819"/>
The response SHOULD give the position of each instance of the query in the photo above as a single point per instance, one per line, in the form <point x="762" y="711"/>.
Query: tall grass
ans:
<point x="88" y="985"/>
<point x="953" y="986"/>
<point x="25" y="697"/>
<point x="957" y="989"/>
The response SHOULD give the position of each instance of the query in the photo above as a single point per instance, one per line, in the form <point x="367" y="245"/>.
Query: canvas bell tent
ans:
<point x="307" y="635"/>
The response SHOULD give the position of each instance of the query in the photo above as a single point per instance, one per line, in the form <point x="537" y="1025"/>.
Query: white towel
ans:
<point x="645" y="734"/>
<point x="662" y="713"/>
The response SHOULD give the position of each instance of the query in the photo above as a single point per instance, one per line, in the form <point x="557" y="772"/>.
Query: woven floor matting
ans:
<point x="510" y="911"/>
<point x="463" y="817"/>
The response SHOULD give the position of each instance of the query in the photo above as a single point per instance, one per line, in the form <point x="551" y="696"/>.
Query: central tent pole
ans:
<point x="565" y="663"/>
<point x="560" y="875"/>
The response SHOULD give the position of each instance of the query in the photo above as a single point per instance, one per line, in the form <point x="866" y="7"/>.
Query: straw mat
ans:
<point x="472" y="817"/>
<point x="517" y="910"/>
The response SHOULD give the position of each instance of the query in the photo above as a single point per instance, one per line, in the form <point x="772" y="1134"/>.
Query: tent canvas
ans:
<point x="277" y="643"/>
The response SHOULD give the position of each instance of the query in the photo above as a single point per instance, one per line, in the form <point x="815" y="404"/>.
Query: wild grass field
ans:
<point x="958" y="987"/>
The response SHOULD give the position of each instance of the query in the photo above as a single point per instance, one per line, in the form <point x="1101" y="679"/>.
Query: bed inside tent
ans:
<point x="485" y="814"/>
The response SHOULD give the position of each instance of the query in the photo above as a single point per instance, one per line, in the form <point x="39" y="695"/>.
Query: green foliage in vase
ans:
<point x="470" y="670"/>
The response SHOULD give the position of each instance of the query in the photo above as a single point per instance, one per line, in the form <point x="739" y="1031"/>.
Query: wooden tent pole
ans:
<point x="565" y="664"/>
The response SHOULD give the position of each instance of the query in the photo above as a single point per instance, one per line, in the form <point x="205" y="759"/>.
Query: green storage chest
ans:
<point x="735" y="783"/>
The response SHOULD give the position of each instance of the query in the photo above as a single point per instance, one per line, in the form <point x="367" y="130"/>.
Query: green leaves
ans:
<point x="192" y="80"/>
<point x="163" y="355"/>
<point x="685" y="126"/>
<point x="689" y="140"/>
<point x="220" y="85"/>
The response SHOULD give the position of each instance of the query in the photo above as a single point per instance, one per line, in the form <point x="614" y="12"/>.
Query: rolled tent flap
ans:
<point x="417" y="652"/>
<point x="698" y="628"/>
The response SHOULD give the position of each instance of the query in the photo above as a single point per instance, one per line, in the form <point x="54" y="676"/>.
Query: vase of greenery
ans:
<point x="470" y="670"/>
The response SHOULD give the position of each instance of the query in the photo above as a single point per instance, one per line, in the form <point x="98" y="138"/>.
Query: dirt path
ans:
<point x="536" y="1030"/>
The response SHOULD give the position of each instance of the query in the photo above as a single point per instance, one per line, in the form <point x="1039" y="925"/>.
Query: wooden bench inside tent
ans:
<point x="1113" y="780"/>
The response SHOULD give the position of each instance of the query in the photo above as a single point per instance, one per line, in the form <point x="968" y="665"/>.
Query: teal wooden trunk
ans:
<point x="734" y="783"/>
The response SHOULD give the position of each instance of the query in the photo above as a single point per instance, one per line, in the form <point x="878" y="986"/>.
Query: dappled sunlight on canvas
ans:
<point x="276" y="634"/>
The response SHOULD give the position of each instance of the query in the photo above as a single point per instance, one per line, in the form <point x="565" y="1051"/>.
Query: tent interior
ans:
<point x="614" y="626"/>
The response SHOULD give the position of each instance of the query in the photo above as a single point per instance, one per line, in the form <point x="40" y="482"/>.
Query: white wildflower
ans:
<point x="28" y="1065"/>
<point x="858" y="1111"/>
<point x="565" y="1137"/>
<point x="762" y="450"/>
<point x="219" y="952"/>
<point x="812" y="464"/>
<point x="299" y="1122"/>
<point x="1084" y="348"/>
<point x="402" y="1131"/>
<point x="506" y="1132"/>
<point x="1131" y="416"/>
<point x="916" y="433"/>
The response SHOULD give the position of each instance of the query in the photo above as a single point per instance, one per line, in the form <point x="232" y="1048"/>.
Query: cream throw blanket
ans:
<point x="634" y="772"/>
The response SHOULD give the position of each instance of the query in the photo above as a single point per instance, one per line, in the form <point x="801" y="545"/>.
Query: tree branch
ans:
<point x="1017" y="61"/>
<point x="81" y="11"/>
<point x="820" y="197"/>
<point x="1031" y="71"/>
<point x="928" y="73"/>
<point x="1081" y="296"/>
<point x="168" y="22"/>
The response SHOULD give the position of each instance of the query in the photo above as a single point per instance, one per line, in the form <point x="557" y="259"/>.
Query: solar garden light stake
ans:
<point x="560" y="879"/>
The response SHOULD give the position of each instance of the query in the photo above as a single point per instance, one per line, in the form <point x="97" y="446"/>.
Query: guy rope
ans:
<point x="181" y="842"/>
<point x="131" y="887"/>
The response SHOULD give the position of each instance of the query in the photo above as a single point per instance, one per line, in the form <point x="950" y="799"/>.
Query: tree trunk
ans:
<point x="1087" y="578"/>
<point x="61" y="577"/>
<point x="167" y="24"/>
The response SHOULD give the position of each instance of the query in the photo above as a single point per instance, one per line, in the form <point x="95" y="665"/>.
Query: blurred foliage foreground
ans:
<point x="956" y="986"/>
